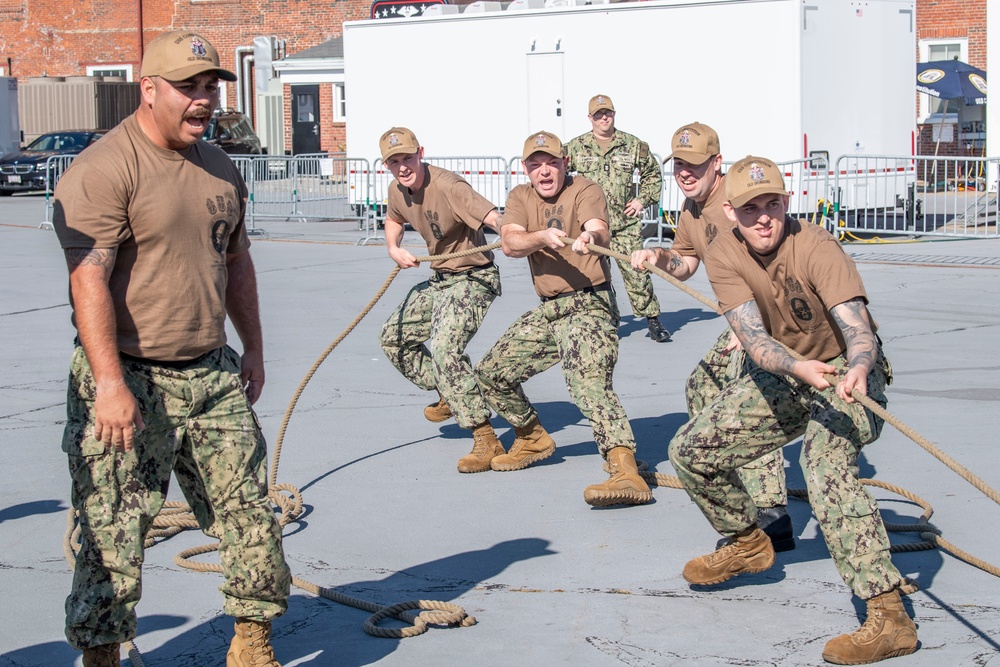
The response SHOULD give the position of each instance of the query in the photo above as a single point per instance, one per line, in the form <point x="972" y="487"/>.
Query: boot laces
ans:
<point x="870" y="628"/>
<point x="479" y="444"/>
<point x="723" y="553"/>
<point x="261" y="652"/>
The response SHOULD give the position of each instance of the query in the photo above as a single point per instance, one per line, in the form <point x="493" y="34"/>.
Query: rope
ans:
<point x="177" y="516"/>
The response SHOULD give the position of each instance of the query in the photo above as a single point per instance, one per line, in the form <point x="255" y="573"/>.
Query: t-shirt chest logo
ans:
<point x="711" y="231"/>
<point x="222" y="211"/>
<point x="553" y="217"/>
<point x="432" y="221"/>
<point x="797" y="304"/>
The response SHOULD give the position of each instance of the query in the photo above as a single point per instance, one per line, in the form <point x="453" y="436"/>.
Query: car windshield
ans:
<point x="59" y="141"/>
<point x="210" y="129"/>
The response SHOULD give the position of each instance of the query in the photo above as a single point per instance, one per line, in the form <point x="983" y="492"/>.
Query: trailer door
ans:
<point x="545" y="94"/>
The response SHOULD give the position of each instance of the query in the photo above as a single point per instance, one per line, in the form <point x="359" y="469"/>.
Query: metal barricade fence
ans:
<point x="807" y="181"/>
<point x="487" y="175"/>
<point x="303" y="187"/>
<point x="889" y="195"/>
<point x="54" y="168"/>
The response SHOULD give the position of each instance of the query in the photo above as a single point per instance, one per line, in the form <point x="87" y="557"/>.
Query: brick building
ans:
<point x="951" y="29"/>
<point x="57" y="38"/>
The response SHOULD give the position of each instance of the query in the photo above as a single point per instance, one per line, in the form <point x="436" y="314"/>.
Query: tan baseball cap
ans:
<point x="598" y="102"/>
<point x="694" y="143"/>
<point x="181" y="54"/>
<point x="543" y="141"/>
<point x="398" y="140"/>
<point x="752" y="177"/>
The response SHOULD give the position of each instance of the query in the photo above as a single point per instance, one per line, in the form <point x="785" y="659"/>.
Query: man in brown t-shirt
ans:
<point x="151" y="221"/>
<point x="575" y="325"/>
<point x="425" y="338"/>
<point x="697" y="164"/>
<point x="797" y="304"/>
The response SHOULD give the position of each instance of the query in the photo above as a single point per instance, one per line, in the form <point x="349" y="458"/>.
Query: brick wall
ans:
<point x="59" y="38"/>
<point x="944" y="19"/>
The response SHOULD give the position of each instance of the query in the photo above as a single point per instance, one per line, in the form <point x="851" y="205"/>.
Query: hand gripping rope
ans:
<point x="177" y="516"/>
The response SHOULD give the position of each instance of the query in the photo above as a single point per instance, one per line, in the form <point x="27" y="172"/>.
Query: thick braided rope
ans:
<point x="928" y="532"/>
<point x="175" y="517"/>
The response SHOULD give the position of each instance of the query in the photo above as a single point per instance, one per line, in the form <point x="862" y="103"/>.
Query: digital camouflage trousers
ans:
<point x="764" y="478"/>
<point x="578" y="331"/>
<point x="760" y="412"/>
<point x="200" y="426"/>
<point x="638" y="284"/>
<point x="425" y="338"/>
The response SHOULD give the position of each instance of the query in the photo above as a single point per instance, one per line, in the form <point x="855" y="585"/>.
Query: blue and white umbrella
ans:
<point x="951" y="80"/>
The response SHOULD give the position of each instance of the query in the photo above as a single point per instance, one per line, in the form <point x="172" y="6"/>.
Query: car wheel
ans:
<point x="6" y="193"/>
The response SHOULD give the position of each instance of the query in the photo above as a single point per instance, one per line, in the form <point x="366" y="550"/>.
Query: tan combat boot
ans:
<point x="105" y="655"/>
<point x="624" y="487"/>
<point x="251" y="645"/>
<point x="531" y="445"/>
<point x="886" y="633"/>
<point x="485" y="447"/>
<point x="438" y="412"/>
<point x="748" y="552"/>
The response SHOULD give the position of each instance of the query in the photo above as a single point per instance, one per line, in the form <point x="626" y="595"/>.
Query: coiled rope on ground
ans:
<point x="177" y="516"/>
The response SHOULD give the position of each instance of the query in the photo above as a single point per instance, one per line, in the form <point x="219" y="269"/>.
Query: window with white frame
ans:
<point x="940" y="49"/>
<point x="110" y="70"/>
<point x="339" y="103"/>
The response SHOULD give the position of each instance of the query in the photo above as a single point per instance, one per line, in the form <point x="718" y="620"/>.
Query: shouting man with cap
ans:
<point x="425" y="338"/>
<point x="797" y="304"/>
<point x="631" y="179"/>
<point x="151" y="221"/>
<point x="697" y="162"/>
<point x="575" y="325"/>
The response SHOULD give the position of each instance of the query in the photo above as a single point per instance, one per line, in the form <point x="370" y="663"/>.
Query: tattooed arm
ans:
<point x="862" y="346"/>
<point x="666" y="259"/>
<point x="769" y="354"/>
<point x="116" y="412"/>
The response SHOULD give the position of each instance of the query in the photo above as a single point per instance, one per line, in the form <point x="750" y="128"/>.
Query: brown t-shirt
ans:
<point x="448" y="213"/>
<point x="699" y="224"/>
<point x="561" y="271"/>
<point x="174" y="216"/>
<point x="794" y="287"/>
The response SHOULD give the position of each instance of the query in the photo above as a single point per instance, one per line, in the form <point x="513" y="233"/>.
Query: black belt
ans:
<point x="603" y="287"/>
<point x="184" y="363"/>
<point x="439" y="275"/>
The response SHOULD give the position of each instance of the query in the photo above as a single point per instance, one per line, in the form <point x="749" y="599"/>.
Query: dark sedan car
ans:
<point x="27" y="168"/>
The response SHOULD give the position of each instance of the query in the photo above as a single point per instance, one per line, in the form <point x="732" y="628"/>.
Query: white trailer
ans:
<point x="786" y="79"/>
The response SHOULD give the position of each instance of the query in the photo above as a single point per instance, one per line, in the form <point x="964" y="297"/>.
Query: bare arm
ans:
<point x="393" y="239"/>
<point x="244" y="311"/>
<point x="519" y="242"/>
<point x="862" y="346"/>
<point x="594" y="231"/>
<point x="116" y="412"/>
<point x="492" y="220"/>
<point x="679" y="266"/>
<point x="769" y="354"/>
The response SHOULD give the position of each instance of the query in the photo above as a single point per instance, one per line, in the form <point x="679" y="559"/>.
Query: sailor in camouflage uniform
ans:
<point x="697" y="167"/>
<point x="425" y="338"/>
<point x="797" y="304"/>
<point x="614" y="159"/>
<point x="151" y="221"/>
<point x="575" y="325"/>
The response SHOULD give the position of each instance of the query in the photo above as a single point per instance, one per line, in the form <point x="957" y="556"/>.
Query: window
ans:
<point x="339" y="103"/>
<point x="110" y="70"/>
<point x="940" y="49"/>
